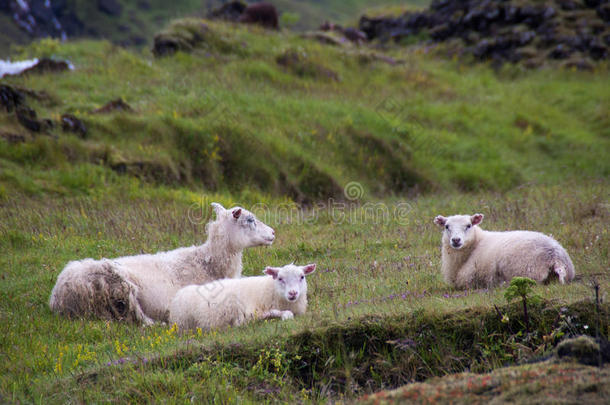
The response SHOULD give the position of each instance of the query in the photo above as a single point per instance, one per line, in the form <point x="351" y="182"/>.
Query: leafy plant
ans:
<point x="522" y="287"/>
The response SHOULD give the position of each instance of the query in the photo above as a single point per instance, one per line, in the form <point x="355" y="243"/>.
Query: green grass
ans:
<point x="227" y="123"/>
<point x="363" y="270"/>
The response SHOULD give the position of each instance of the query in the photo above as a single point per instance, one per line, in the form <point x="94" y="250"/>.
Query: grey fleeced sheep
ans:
<point x="473" y="257"/>
<point x="140" y="288"/>
<point x="282" y="293"/>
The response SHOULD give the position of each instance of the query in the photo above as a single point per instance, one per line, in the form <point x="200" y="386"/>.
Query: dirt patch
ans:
<point x="114" y="105"/>
<point x="47" y="65"/>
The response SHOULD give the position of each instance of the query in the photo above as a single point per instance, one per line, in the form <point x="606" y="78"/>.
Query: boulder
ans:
<point x="230" y="11"/>
<point x="69" y="123"/>
<point x="263" y="13"/>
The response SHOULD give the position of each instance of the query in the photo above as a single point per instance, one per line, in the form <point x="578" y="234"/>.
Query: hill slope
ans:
<point x="288" y="116"/>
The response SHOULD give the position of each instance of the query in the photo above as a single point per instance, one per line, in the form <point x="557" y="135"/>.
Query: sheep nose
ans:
<point x="292" y="293"/>
<point x="455" y="241"/>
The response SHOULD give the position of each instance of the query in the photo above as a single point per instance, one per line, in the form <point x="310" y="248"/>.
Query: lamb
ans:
<point x="473" y="257"/>
<point x="282" y="293"/>
<point x="140" y="288"/>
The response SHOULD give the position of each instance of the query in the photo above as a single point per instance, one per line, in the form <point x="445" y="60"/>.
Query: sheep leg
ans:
<point x="134" y="302"/>
<point x="137" y="309"/>
<point x="276" y="313"/>
<point x="561" y="272"/>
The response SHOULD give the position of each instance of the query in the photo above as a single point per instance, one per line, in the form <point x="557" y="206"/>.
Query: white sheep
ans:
<point x="140" y="288"/>
<point x="282" y="293"/>
<point x="473" y="257"/>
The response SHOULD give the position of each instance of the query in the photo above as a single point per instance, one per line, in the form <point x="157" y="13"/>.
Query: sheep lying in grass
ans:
<point x="140" y="288"/>
<point x="282" y="293"/>
<point x="473" y="257"/>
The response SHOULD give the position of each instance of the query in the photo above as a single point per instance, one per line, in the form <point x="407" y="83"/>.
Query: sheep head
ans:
<point x="242" y="228"/>
<point x="290" y="280"/>
<point x="458" y="229"/>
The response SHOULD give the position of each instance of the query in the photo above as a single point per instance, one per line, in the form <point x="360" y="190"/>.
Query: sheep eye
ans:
<point x="468" y="226"/>
<point x="250" y="220"/>
<point x="280" y="279"/>
<point x="302" y="278"/>
<point x="447" y="227"/>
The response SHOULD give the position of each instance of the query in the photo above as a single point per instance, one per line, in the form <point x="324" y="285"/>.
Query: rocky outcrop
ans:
<point x="574" y="31"/>
<point x="13" y="101"/>
<point x="42" y="18"/>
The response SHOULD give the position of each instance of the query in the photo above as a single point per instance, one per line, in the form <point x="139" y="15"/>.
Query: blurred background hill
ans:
<point x="134" y="22"/>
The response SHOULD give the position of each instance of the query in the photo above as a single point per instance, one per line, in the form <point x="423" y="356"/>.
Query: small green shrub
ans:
<point x="522" y="287"/>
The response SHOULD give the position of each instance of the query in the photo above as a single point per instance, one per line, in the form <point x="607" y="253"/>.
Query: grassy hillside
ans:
<point x="268" y="120"/>
<point x="287" y="116"/>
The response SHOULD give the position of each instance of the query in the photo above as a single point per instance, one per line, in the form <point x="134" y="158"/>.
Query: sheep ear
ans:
<point x="440" y="220"/>
<point x="270" y="271"/>
<point x="310" y="268"/>
<point x="218" y="209"/>
<point x="476" y="219"/>
<point x="236" y="213"/>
